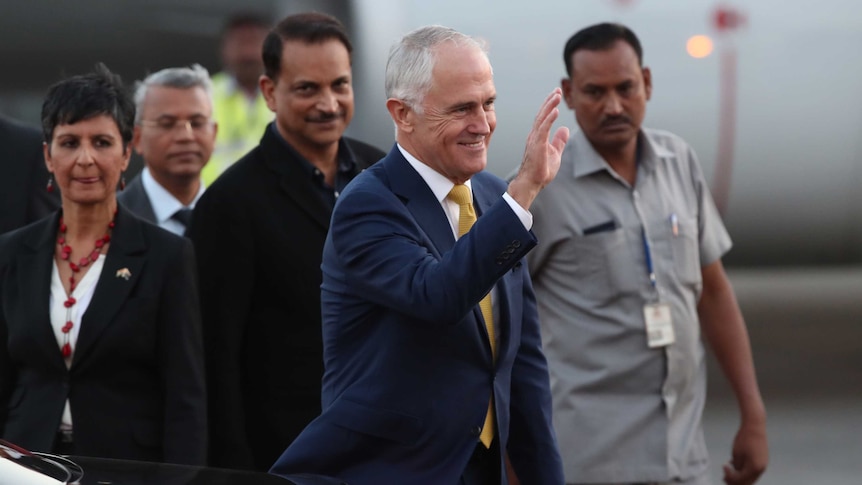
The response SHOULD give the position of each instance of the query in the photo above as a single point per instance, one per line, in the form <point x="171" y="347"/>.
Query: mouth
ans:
<point x="86" y="180"/>
<point x="616" y="124"/>
<point x="327" y="119"/>
<point x="185" y="155"/>
<point x="476" y="145"/>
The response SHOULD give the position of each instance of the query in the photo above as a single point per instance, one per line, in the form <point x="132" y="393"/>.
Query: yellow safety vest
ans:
<point x="241" y="124"/>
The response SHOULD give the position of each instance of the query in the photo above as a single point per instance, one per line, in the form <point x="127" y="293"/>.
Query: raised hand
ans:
<point x="541" y="155"/>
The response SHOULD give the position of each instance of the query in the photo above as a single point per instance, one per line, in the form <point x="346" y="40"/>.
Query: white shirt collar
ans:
<point x="163" y="202"/>
<point x="437" y="182"/>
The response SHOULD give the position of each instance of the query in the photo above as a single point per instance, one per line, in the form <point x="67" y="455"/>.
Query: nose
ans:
<point x="183" y="130"/>
<point x="481" y="121"/>
<point x="86" y="155"/>
<point x="613" y="106"/>
<point x="327" y="102"/>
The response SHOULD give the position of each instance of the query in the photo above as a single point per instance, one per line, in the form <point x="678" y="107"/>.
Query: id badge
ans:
<point x="659" y="328"/>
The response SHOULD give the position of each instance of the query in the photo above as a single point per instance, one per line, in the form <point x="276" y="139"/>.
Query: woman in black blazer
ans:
<point x="100" y="339"/>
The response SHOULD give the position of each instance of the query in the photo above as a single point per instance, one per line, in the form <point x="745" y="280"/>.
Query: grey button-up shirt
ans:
<point x="624" y="412"/>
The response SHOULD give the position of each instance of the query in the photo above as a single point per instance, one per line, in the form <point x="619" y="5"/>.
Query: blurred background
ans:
<point x="766" y="92"/>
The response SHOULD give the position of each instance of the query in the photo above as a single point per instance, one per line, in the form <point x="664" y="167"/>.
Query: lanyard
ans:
<point x="649" y="266"/>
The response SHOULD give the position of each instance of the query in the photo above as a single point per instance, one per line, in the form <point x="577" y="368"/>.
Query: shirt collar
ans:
<point x="439" y="185"/>
<point x="346" y="162"/>
<point x="586" y="160"/>
<point x="163" y="202"/>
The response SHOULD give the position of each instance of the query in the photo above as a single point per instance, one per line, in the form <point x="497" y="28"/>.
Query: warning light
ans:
<point x="699" y="46"/>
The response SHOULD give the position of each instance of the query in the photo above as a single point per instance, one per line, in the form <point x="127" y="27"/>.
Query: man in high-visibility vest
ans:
<point x="238" y="107"/>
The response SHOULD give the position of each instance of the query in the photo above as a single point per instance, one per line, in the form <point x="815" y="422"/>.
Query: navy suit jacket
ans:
<point x="408" y="364"/>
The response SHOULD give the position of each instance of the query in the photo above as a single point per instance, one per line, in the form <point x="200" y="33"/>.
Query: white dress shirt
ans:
<point x="83" y="294"/>
<point x="165" y="204"/>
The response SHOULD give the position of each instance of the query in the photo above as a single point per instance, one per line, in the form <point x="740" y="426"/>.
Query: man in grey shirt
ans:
<point x="627" y="274"/>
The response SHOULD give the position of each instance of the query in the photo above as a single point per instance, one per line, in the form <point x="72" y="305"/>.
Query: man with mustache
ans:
<point x="627" y="276"/>
<point x="174" y="134"/>
<point x="259" y="232"/>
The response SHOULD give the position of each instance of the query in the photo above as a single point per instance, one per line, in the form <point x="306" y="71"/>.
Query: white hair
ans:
<point x="411" y="62"/>
<point x="174" y="77"/>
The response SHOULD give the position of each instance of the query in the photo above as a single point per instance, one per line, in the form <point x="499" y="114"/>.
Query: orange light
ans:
<point x="699" y="46"/>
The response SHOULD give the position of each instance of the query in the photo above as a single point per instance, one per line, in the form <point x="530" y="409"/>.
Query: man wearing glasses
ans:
<point x="175" y="134"/>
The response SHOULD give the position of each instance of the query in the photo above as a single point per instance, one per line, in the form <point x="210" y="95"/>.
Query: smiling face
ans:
<point x="452" y="130"/>
<point x="608" y="90"/>
<point x="312" y="98"/>
<point x="87" y="159"/>
<point x="176" y="134"/>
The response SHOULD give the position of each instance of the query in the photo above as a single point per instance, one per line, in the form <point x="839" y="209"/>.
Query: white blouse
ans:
<point x="83" y="294"/>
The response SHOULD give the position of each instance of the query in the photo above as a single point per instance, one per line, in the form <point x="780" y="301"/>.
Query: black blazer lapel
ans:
<point x="35" y="275"/>
<point x="407" y="184"/>
<point x="125" y="257"/>
<point x="292" y="179"/>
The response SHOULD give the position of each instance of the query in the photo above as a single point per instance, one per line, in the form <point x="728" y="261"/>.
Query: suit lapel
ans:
<point x="35" y="275"/>
<point x="135" y="198"/>
<point x="483" y="199"/>
<point x="292" y="180"/>
<point x="125" y="257"/>
<point x="408" y="185"/>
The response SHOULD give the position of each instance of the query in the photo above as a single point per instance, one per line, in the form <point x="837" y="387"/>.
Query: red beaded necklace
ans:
<point x="65" y="253"/>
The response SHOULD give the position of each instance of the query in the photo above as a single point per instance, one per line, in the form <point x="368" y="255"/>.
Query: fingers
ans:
<point x="750" y="456"/>
<point x="548" y="114"/>
<point x="741" y="474"/>
<point x="561" y="137"/>
<point x="541" y="155"/>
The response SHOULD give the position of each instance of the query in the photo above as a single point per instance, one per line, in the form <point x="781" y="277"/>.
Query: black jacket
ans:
<point x="136" y="382"/>
<point x="258" y="233"/>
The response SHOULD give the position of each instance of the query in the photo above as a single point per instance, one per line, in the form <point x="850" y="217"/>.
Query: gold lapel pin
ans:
<point x="124" y="273"/>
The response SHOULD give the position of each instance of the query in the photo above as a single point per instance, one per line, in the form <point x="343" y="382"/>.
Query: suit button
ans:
<point x="516" y="243"/>
<point x="476" y="430"/>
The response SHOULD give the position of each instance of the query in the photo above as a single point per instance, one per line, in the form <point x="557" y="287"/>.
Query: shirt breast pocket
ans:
<point x="685" y="248"/>
<point x="604" y="264"/>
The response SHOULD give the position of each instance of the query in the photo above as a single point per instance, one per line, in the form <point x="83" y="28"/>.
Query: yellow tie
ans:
<point x="460" y="194"/>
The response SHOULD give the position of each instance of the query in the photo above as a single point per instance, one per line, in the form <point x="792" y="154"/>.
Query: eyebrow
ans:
<point x="470" y="104"/>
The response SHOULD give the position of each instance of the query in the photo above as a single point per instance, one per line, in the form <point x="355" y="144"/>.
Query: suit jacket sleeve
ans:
<point x="222" y="235"/>
<point x="532" y="443"/>
<point x="379" y="243"/>
<point x="183" y="363"/>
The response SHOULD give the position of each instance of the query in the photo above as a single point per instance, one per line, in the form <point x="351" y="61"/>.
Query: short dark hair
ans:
<point x="245" y="19"/>
<point x="85" y="96"/>
<point x="311" y="28"/>
<point x="600" y="37"/>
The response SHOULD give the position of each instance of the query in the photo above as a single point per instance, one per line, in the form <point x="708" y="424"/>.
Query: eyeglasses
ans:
<point x="167" y="124"/>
